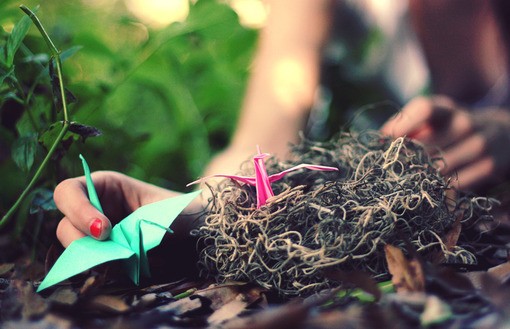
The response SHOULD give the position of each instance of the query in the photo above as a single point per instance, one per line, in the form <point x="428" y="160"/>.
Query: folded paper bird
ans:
<point x="262" y="181"/>
<point x="129" y="240"/>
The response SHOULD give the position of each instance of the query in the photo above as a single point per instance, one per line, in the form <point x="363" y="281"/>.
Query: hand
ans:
<point x="473" y="144"/>
<point x="120" y="195"/>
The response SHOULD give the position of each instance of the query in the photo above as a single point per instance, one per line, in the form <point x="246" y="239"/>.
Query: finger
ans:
<point x="476" y="174"/>
<point x="463" y="153"/>
<point x="413" y="116"/>
<point x="435" y="121"/>
<point x="443" y="126"/>
<point x="446" y="128"/>
<point x="71" y="199"/>
<point x="67" y="232"/>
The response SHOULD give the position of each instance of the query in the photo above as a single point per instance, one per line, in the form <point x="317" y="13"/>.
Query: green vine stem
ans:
<point x="55" y="55"/>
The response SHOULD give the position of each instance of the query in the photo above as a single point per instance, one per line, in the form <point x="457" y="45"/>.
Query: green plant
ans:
<point x="166" y="99"/>
<point x="24" y="152"/>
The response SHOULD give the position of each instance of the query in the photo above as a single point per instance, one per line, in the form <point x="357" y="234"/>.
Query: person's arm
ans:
<point x="467" y="56"/>
<point x="282" y="84"/>
<point x="278" y="97"/>
<point x="463" y="44"/>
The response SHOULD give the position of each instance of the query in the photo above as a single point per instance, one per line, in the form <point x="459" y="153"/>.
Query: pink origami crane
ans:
<point x="262" y="181"/>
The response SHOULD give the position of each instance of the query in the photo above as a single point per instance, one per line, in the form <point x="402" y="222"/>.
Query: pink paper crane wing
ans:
<point x="262" y="181"/>
<point x="278" y="176"/>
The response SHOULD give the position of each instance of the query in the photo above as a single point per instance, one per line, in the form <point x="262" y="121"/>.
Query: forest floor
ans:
<point x="418" y="294"/>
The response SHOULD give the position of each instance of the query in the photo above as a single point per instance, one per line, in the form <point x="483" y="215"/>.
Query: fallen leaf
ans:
<point x="225" y="293"/>
<point x="181" y="306"/>
<point x="474" y="277"/>
<point x="353" y="316"/>
<point x="450" y="239"/>
<point x="435" y="312"/>
<point x="288" y="316"/>
<point x="90" y="283"/>
<point x="407" y="275"/>
<point x="20" y="300"/>
<point x="5" y="268"/>
<point x="496" y="292"/>
<point x="501" y="271"/>
<point x="64" y="295"/>
<point x="448" y="279"/>
<point x="357" y="279"/>
<point x="145" y="301"/>
<point x="108" y="303"/>
<point x="451" y="197"/>
<point x="227" y="311"/>
<point x="48" y="321"/>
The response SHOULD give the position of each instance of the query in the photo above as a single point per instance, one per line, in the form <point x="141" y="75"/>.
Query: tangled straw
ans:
<point x="387" y="191"/>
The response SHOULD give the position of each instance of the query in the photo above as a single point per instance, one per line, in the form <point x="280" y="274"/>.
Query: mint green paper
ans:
<point x="94" y="199"/>
<point x="129" y="241"/>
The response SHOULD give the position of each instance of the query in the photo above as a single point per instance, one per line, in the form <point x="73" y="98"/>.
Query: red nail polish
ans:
<point x="96" y="228"/>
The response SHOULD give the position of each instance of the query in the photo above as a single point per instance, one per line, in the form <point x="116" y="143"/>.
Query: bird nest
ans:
<point x="386" y="192"/>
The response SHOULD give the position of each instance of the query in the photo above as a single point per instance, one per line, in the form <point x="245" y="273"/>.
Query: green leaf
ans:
<point x="38" y="59"/>
<point x="42" y="201"/>
<point x="69" y="52"/>
<point x="70" y="98"/>
<point x="3" y="54"/>
<point x="15" y="38"/>
<point x="4" y="74"/>
<point x="11" y="95"/>
<point x="23" y="151"/>
<point x="50" y="135"/>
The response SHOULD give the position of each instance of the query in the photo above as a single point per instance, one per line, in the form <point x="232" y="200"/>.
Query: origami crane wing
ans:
<point x="242" y="179"/>
<point x="129" y="240"/>
<point x="262" y="181"/>
<point x="145" y="228"/>
<point x="280" y="175"/>
<point x="82" y="255"/>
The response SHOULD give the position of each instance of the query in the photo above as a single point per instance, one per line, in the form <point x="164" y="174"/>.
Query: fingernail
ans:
<point x="96" y="228"/>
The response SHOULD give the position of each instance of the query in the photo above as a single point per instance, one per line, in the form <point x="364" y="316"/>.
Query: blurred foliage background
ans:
<point x="163" y="80"/>
<point x="164" y="94"/>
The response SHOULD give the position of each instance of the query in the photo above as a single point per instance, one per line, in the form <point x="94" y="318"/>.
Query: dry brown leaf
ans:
<point x="6" y="267"/>
<point x="90" y="283"/>
<point x="450" y="239"/>
<point x="435" y="312"/>
<point x="451" y="199"/>
<point x="20" y="301"/>
<point x="225" y="293"/>
<point x="501" y="271"/>
<point x="227" y="311"/>
<point x="357" y="279"/>
<point x="407" y="275"/>
<point x="474" y="277"/>
<point x="220" y="294"/>
<point x="287" y="316"/>
<point x="111" y="304"/>
<point x="182" y="306"/>
<point x="64" y="295"/>
<point x="497" y="293"/>
<point x="48" y="321"/>
<point x="452" y="236"/>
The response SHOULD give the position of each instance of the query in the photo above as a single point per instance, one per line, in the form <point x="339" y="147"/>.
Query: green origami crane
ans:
<point x="129" y="241"/>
